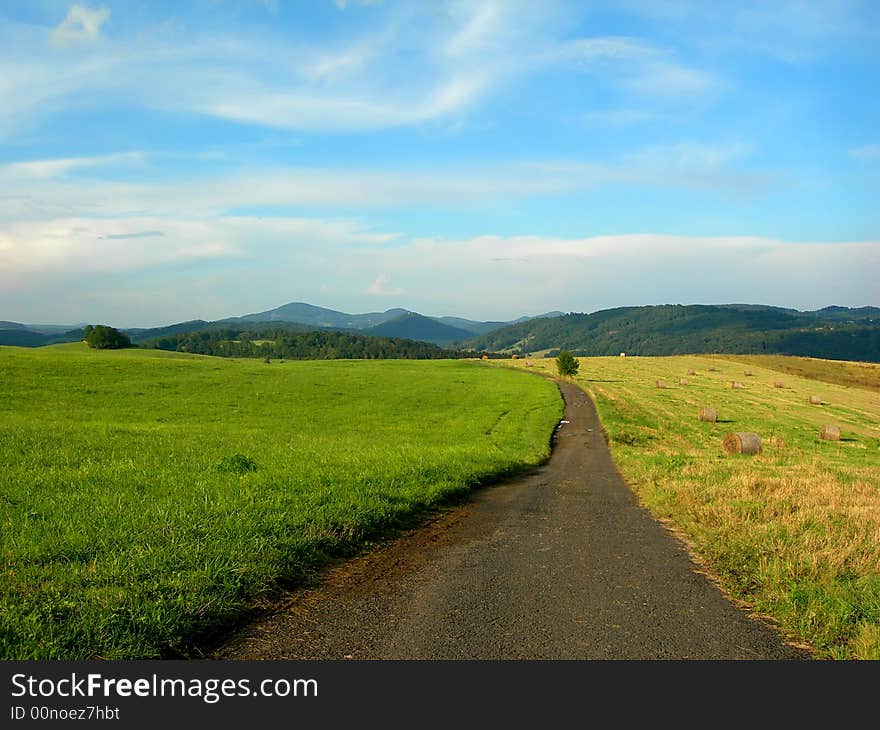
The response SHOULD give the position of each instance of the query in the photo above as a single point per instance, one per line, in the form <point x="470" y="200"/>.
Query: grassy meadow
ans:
<point x="858" y="374"/>
<point x="148" y="498"/>
<point x="795" y="531"/>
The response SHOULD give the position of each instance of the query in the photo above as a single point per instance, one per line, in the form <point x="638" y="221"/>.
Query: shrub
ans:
<point x="566" y="364"/>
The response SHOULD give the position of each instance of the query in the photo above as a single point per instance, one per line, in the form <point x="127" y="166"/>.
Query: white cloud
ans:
<point x="53" y="168"/>
<point x="70" y="247"/>
<point x="867" y="153"/>
<point x="380" y="287"/>
<point x="486" y="277"/>
<point x="455" y="56"/>
<point x="81" y="24"/>
<point x="40" y="190"/>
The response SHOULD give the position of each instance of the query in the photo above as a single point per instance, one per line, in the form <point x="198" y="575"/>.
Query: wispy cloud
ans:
<point x="380" y="287"/>
<point x="790" y="31"/>
<point x="82" y="23"/>
<point x="867" y="153"/>
<point x="42" y="189"/>
<point x="342" y="84"/>
<point x="134" y="234"/>
<point x="53" y="168"/>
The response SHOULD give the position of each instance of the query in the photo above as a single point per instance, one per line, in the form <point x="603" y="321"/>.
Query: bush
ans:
<point x="566" y="364"/>
<point x="102" y="337"/>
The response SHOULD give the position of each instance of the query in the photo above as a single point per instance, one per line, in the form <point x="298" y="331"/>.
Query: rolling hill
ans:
<point x="295" y="317"/>
<point x="414" y="326"/>
<point x="835" y="333"/>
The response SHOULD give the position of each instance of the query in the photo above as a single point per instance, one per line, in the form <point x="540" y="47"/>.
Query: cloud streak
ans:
<point x="82" y="23"/>
<point x="340" y="85"/>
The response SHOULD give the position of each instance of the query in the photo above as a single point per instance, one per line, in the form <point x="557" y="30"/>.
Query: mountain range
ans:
<point x="294" y="317"/>
<point x="832" y="332"/>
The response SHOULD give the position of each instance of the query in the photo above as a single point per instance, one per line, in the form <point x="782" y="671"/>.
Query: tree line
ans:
<point x="312" y="345"/>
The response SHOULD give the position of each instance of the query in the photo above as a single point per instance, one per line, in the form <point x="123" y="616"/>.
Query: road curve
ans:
<point x="561" y="563"/>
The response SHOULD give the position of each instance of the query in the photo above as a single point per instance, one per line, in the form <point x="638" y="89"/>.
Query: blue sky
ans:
<point x="162" y="161"/>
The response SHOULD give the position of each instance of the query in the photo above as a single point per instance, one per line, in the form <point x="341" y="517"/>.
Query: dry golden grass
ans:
<point x="842" y="372"/>
<point x="794" y="531"/>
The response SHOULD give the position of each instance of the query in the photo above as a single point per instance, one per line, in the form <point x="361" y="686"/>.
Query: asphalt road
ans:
<point x="561" y="563"/>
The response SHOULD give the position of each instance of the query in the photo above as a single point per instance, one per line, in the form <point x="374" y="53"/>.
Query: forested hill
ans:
<point x="282" y="343"/>
<point x="834" y="333"/>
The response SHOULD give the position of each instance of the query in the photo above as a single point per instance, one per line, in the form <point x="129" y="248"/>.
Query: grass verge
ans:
<point x="148" y="498"/>
<point x="795" y="531"/>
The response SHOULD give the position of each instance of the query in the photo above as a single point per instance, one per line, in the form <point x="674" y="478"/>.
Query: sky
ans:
<point x="166" y="161"/>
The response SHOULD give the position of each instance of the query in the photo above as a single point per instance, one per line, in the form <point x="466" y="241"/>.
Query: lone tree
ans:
<point x="566" y="364"/>
<point x="102" y="337"/>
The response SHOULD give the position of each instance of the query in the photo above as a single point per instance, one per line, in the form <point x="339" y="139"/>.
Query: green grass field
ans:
<point x="148" y="498"/>
<point x="794" y="532"/>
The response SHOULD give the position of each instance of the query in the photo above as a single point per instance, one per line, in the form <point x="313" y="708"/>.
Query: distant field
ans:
<point x="795" y="532"/>
<point x="841" y="372"/>
<point x="147" y="497"/>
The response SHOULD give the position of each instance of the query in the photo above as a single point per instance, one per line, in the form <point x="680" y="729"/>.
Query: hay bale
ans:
<point x="623" y="354"/>
<point x="736" y="385"/>
<point x="514" y="357"/>
<point x="661" y="383"/>
<point x="777" y="384"/>
<point x="691" y="372"/>
<point x="748" y="373"/>
<point x="742" y="443"/>
<point x="830" y="432"/>
<point x="816" y="400"/>
<point x="485" y="357"/>
<point x="713" y="370"/>
<point x="682" y="381"/>
<point x="709" y="414"/>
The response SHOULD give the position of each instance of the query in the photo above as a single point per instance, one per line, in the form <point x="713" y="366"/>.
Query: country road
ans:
<point x="561" y="563"/>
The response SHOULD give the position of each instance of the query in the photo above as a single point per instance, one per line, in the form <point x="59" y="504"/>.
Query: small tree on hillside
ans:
<point x="566" y="364"/>
<point x="102" y="337"/>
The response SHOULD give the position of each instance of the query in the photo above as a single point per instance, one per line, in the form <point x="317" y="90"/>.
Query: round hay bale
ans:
<point x="682" y="381"/>
<point x="777" y="384"/>
<point x="485" y="357"/>
<point x="713" y="370"/>
<point x="816" y="400"/>
<point x="691" y="372"/>
<point x="709" y="414"/>
<point x="749" y="373"/>
<point x="661" y="383"/>
<point x="830" y="432"/>
<point x="514" y="357"/>
<point x="742" y="443"/>
<point x="736" y="385"/>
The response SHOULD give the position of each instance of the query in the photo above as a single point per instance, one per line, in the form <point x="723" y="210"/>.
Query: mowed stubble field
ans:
<point x="148" y="498"/>
<point x="795" y="531"/>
